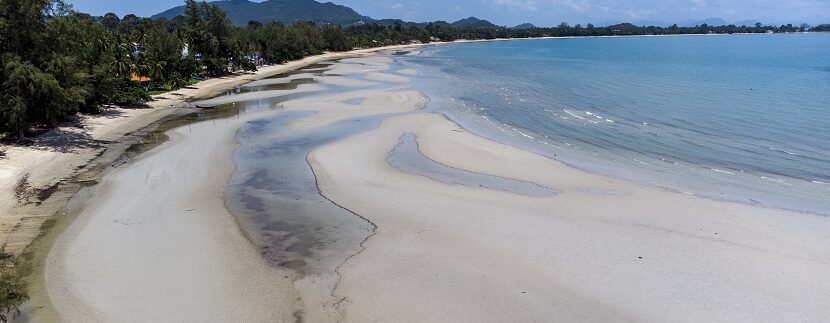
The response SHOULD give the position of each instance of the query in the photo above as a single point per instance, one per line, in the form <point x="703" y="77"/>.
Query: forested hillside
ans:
<point x="240" y="12"/>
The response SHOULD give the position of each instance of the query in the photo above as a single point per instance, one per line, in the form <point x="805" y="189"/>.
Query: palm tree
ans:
<point x="139" y="35"/>
<point x="122" y="57"/>
<point x="139" y="67"/>
<point x="155" y="68"/>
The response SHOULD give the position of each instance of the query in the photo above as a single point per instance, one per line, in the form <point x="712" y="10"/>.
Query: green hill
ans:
<point x="525" y="26"/>
<point x="473" y="22"/>
<point x="824" y="27"/>
<point x="240" y="12"/>
<point x="285" y="11"/>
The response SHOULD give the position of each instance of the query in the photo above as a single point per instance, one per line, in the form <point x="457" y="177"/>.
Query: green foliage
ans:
<point x="12" y="287"/>
<point x="32" y="97"/>
<point x="126" y="92"/>
<point x="286" y="12"/>
<point x="211" y="38"/>
<point x="22" y="27"/>
<point x="335" y="39"/>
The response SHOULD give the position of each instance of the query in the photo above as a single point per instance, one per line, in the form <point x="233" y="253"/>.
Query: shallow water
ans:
<point x="742" y="118"/>
<point x="407" y="158"/>
<point x="274" y="192"/>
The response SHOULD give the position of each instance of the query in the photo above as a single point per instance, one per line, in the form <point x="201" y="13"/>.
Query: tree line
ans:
<point x="55" y="61"/>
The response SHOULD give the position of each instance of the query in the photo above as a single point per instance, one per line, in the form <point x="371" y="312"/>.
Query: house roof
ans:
<point x="135" y="78"/>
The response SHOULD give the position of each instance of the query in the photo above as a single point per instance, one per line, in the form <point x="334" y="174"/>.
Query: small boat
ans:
<point x="200" y="106"/>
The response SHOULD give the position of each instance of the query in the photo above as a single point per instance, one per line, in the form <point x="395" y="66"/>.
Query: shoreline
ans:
<point x="439" y="147"/>
<point x="19" y="230"/>
<point x="597" y="230"/>
<point x="805" y="197"/>
<point x="712" y="195"/>
<point x="113" y="214"/>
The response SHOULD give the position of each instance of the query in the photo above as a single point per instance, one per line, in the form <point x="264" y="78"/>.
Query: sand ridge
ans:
<point x="477" y="254"/>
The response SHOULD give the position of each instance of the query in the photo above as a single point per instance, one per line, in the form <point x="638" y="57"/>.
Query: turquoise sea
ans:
<point x="743" y="118"/>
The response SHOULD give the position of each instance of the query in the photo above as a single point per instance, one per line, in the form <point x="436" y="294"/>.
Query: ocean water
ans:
<point x="743" y="118"/>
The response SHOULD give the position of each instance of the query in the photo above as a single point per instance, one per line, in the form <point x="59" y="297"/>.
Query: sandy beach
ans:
<point x="155" y="240"/>
<point x="38" y="179"/>
<point x="173" y="253"/>
<point x="152" y="277"/>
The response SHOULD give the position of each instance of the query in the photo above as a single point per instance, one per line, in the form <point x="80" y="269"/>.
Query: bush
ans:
<point x="12" y="287"/>
<point x="126" y="92"/>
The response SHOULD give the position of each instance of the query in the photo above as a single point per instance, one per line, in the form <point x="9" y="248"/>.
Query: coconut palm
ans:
<point x="139" y="34"/>
<point x="139" y="67"/>
<point x="155" y="67"/>
<point x="123" y="61"/>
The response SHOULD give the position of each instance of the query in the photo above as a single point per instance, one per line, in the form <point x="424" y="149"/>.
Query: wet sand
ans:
<point x="172" y="249"/>
<point x="601" y="250"/>
<point x="156" y="243"/>
<point x="460" y="229"/>
<point x="38" y="180"/>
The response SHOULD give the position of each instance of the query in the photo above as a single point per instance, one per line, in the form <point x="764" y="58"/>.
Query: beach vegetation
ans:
<point x="12" y="287"/>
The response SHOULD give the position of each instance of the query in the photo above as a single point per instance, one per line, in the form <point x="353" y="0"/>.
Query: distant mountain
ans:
<point x="390" y="22"/>
<point x="748" y="22"/>
<point x="473" y="22"/>
<point x="285" y="11"/>
<point x="708" y="21"/>
<point x="525" y="26"/>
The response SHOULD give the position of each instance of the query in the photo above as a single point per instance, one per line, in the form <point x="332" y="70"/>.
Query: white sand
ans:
<point x="156" y="244"/>
<point x="330" y="109"/>
<point x="454" y="253"/>
<point x="385" y="77"/>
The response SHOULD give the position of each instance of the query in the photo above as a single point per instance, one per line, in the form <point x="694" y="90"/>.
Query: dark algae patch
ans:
<point x="155" y="135"/>
<point x="274" y="194"/>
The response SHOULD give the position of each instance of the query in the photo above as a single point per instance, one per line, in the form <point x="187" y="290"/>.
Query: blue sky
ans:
<point x="540" y="12"/>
